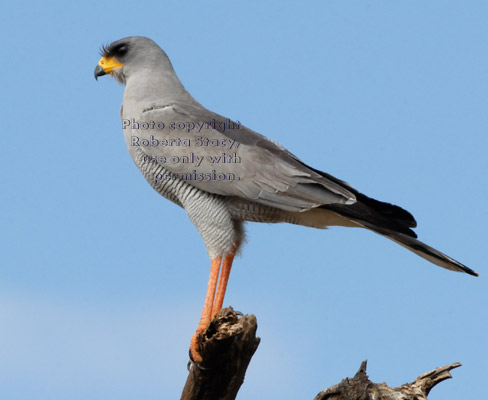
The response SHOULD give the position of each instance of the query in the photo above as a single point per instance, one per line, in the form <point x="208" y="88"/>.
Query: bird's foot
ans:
<point x="195" y="356"/>
<point x="192" y="362"/>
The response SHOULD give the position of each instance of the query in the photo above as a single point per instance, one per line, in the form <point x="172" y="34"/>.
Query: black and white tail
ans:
<point x="394" y="223"/>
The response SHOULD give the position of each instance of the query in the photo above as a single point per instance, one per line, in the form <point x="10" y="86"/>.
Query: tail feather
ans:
<point x="421" y="249"/>
<point x="368" y="209"/>
<point x="390" y="221"/>
<point x="376" y="213"/>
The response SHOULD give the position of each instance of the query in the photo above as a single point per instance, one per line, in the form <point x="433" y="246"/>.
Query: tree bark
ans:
<point x="227" y="347"/>
<point x="229" y="343"/>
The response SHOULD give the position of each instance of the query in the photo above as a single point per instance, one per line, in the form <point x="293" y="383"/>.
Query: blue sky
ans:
<point x="102" y="280"/>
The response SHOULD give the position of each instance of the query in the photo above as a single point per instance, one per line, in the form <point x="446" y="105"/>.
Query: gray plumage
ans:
<point x="223" y="173"/>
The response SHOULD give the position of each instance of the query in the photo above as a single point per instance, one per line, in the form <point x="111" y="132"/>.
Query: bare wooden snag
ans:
<point x="227" y="347"/>
<point x="229" y="343"/>
<point x="361" y="388"/>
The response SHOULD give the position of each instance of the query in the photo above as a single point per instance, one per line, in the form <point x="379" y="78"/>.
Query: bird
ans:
<point x="225" y="174"/>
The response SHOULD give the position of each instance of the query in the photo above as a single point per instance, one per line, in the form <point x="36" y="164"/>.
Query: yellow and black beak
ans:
<point x="106" y="65"/>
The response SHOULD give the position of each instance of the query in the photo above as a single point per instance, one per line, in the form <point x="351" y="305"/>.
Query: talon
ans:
<point x="195" y="356"/>
<point x="192" y="359"/>
<point x="195" y="363"/>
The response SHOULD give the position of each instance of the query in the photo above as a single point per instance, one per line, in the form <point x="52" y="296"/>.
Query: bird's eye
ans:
<point x="121" y="50"/>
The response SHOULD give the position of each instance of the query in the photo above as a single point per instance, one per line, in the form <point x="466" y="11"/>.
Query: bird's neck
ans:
<point x="149" y="88"/>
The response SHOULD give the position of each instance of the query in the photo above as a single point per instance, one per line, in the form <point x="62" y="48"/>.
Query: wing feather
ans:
<point x="231" y="160"/>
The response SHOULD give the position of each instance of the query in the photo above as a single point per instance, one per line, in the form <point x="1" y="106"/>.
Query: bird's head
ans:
<point x="127" y="56"/>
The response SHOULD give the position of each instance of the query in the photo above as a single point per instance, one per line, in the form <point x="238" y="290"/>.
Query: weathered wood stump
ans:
<point x="229" y="343"/>
<point x="227" y="347"/>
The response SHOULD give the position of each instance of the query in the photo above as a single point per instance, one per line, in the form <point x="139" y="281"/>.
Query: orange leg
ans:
<point x="224" y="278"/>
<point x="207" y="309"/>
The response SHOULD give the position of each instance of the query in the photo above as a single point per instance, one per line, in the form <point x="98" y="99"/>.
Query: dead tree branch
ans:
<point x="229" y="343"/>
<point x="361" y="388"/>
<point x="227" y="347"/>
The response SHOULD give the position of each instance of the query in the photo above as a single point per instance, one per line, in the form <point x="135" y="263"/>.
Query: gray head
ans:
<point x="130" y="56"/>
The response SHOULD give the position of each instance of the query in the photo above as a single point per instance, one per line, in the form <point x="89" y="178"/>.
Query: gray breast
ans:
<point x="160" y="178"/>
